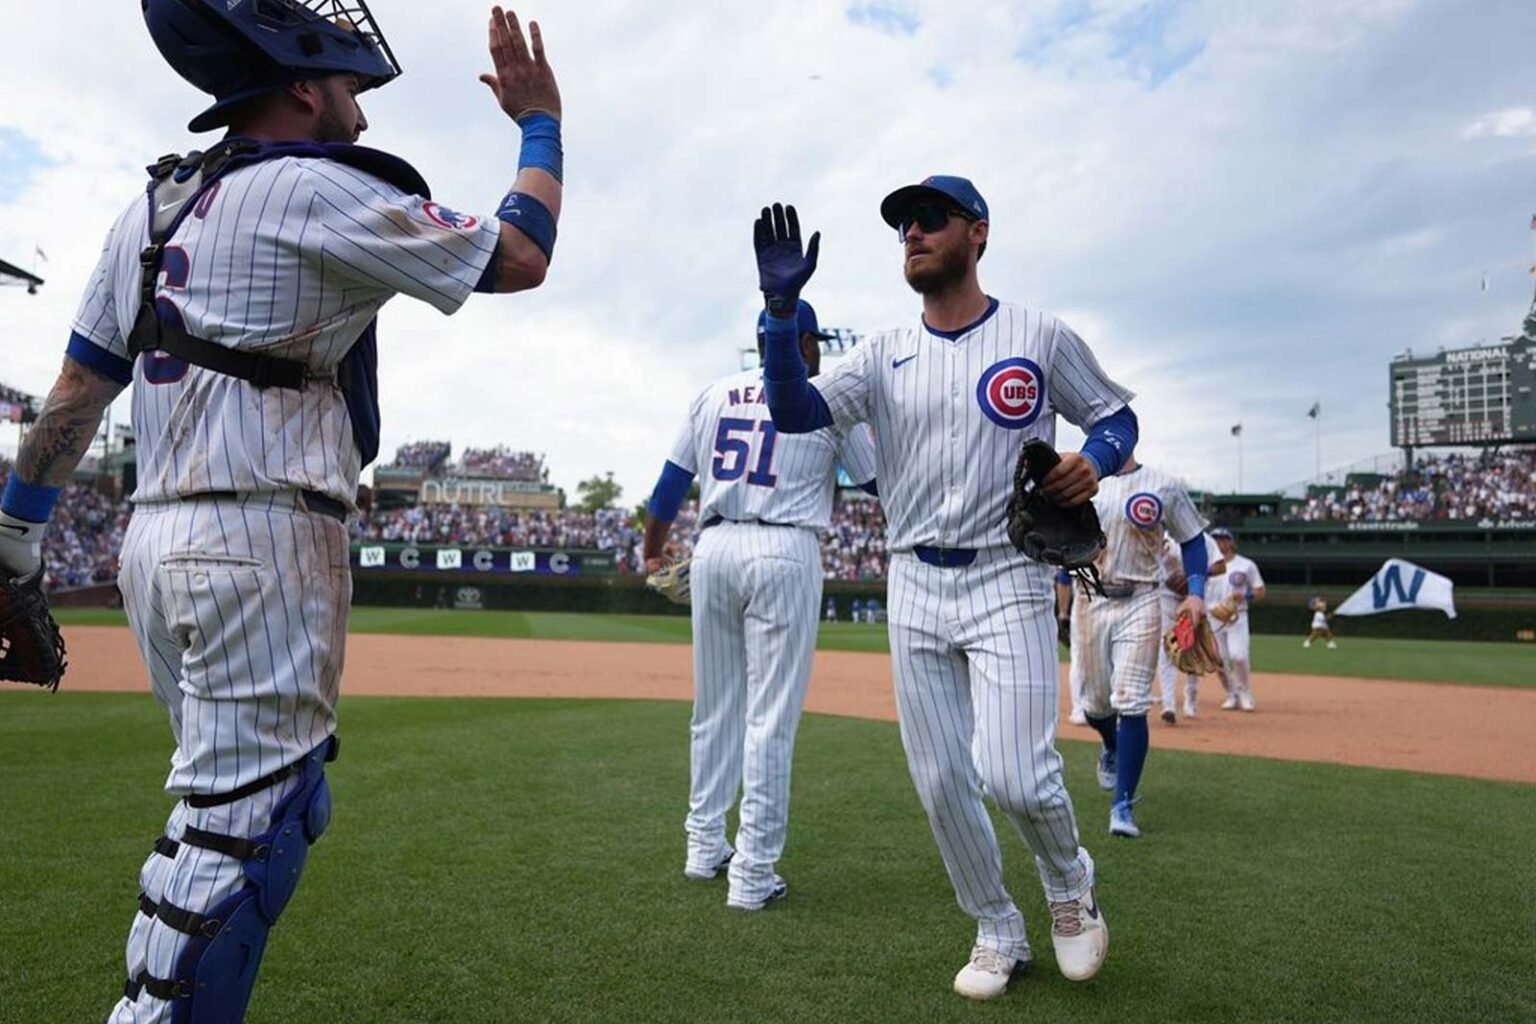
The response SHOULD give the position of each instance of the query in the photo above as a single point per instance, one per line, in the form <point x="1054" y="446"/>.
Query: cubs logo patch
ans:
<point x="1012" y="392"/>
<point x="453" y="220"/>
<point x="1238" y="580"/>
<point x="1144" y="510"/>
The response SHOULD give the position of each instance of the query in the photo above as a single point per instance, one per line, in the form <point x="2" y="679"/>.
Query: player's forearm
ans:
<point x="656" y="533"/>
<point x="66" y="427"/>
<point x="530" y="213"/>
<point x="1192" y="556"/>
<point x="793" y="401"/>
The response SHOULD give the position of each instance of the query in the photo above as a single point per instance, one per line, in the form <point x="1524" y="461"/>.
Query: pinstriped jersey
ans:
<point x="1136" y="509"/>
<point x="289" y="257"/>
<point x="748" y="470"/>
<point x="950" y="411"/>
<point x="1171" y="560"/>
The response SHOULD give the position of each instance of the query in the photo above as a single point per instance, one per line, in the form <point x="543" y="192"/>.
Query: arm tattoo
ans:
<point x="67" y="425"/>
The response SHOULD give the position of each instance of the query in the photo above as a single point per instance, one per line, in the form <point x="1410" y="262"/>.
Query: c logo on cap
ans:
<point x="1012" y="393"/>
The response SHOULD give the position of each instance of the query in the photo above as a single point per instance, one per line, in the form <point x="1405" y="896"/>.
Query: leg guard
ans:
<point x="216" y="970"/>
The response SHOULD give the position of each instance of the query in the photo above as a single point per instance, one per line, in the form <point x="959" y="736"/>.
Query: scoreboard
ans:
<point x="1469" y="396"/>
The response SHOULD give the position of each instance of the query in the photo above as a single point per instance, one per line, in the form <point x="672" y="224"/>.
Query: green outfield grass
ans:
<point x="501" y="861"/>
<point x="1486" y="664"/>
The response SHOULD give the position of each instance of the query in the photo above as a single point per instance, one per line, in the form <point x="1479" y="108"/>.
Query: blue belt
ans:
<point x="946" y="558"/>
<point x="717" y="520"/>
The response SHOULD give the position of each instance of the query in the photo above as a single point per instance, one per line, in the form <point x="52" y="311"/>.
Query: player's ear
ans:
<point x="308" y="94"/>
<point x="978" y="236"/>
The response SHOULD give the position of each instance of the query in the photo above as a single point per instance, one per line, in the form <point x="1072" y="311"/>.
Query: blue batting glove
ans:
<point x="782" y="269"/>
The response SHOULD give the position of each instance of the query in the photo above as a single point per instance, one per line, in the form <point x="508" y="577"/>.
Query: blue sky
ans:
<point x="1245" y="208"/>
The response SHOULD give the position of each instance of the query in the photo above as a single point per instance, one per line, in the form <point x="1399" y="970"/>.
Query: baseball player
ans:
<point x="756" y="584"/>
<point x="952" y="396"/>
<point x="239" y="299"/>
<point x="1237" y="588"/>
<point x="1172" y="588"/>
<point x="1116" y="635"/>
<point x="1320" y="629"/>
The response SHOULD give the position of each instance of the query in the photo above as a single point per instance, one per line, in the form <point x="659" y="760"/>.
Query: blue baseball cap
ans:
<point x="944" y="188"/>
<point x="805" y="314"/>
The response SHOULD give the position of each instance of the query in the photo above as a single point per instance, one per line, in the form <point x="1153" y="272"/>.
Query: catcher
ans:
<point x="31" y="648"/>
<point x="1116" y="626"/>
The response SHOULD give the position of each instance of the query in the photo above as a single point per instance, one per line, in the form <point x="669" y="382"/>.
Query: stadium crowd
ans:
<point x="502" y="463"/>
<point x="83" y="537"/>
<point x="422" y="454"/>
<point x="1500" y="486"/>
<point x="853" y="549"/>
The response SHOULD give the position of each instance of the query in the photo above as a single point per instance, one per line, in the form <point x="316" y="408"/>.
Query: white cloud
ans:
<point x="1515" y="122"/>
<point x="1257" y="230"/>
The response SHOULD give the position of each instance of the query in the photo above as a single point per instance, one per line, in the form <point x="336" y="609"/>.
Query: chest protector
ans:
<point x="175" y="186"/>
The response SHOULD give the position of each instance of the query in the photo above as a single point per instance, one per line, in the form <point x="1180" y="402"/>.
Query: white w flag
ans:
<point x="1399" y="584"/>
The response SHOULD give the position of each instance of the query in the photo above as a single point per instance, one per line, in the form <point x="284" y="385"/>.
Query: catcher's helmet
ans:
<point x="239" y="49"/>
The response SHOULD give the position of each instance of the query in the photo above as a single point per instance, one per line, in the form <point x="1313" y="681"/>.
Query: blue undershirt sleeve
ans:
<point x="671" y="488"/>
<point x="793" y="401"/>
<point x="1192" y="554"/>
<point x="1111" y="440"/>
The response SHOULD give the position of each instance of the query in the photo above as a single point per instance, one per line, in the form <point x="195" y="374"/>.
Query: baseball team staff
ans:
<point x="237" y="293"/>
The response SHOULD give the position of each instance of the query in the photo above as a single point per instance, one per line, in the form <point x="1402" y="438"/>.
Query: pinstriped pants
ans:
<point x="240" y="612"/>
<point x="974" y="655"/>
<point x="756" y="602"/>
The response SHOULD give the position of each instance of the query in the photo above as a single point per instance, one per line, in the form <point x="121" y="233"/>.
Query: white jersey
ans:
<point x="1136" y="510"/>
<point x="289" y="257"/>
<point x="749" y="471"/>
<point x="950" y="411"/>
<point x="1241" y="576"/>
<point x="1319" y="620"/>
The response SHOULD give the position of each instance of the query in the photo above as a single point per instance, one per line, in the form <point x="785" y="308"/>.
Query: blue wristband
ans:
<point x="532" y="218"/>
<point x="32" y="502"/>
<point x="541" y="144"/>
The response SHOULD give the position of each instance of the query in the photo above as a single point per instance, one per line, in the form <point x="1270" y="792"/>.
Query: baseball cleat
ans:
<point x="1107" y="769"/>
<point x="1077" y="717"/>
<point x="779" y="891"/>
<point x="1080" y="935"/>
<point x="988" y="974"/>
<point x="703" y="873"/>
<point x="1122" y="822"/>
<point x="1189" y="708"/>
<point x="1169" y="717"/>
<point x="1230" y="704"/>
<point x="1332" y="646"/>
<point x="1245" y="701"/>
<point x="1306" y="643"/>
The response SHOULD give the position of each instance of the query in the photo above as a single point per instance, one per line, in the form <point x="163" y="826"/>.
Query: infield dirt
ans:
<point x="1482" y="732"/>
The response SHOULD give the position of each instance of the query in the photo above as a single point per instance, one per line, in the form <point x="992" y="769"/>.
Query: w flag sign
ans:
<point x="1399" y="584"/>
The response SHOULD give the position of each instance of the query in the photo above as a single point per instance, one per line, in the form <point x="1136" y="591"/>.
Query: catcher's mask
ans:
<point x="236" y="50"/>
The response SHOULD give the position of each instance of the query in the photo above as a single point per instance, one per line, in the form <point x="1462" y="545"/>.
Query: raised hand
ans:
<point x="523" y="81"/>
<point x="782" y="268"/>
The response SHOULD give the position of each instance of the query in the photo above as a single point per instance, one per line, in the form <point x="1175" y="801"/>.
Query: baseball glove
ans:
<point x="1192" y="648"/>
<point x="31" y="647"/>
<point x="1048" y="532"/>
<point x="1225" y="610"/>
<point x="671" y="582"/>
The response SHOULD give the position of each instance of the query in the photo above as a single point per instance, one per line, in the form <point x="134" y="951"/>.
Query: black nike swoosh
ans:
<point x="21" y="531"/>
<point x="902" y="362"/>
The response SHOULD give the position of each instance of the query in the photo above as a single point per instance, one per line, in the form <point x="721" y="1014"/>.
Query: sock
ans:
<point x="1105" y="727"/>
<point x="1132" y="756"/>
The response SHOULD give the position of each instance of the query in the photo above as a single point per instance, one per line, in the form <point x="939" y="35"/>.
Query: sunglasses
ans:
<point x="929" y="217"/>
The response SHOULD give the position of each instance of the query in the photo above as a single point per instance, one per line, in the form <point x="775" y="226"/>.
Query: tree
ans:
<point x="599" y="492"/>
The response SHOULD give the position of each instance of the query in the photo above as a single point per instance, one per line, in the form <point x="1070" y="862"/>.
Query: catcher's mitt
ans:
<point x="671" y="582"/>
<point x="1192" y="648"/>
<point x="1046" y="531"/>
<point x="1225" y="610"/>
<point x="31" y="648"/>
